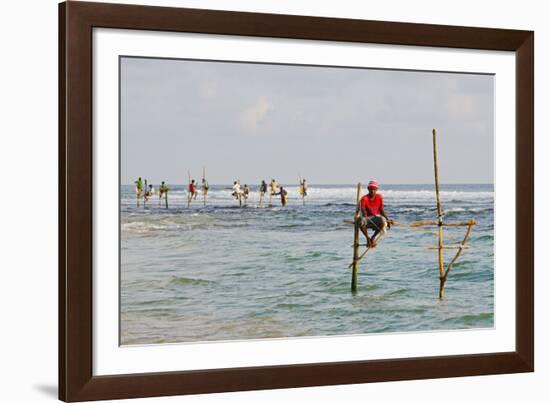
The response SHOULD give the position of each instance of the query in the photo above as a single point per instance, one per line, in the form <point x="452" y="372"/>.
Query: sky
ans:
<point x="330" y="125"/>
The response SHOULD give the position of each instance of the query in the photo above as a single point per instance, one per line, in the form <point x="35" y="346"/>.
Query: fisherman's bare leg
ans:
<point x="373" y="239"/>
<point x="363" y="228"/>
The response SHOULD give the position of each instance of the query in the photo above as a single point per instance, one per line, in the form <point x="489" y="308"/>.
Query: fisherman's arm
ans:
<point x="364" y="212"/>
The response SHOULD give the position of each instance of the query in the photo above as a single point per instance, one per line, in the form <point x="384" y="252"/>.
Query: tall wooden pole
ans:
<point x="166" y="198"/>
<point x="357" y="223"/>
<point x="439" y="223"/>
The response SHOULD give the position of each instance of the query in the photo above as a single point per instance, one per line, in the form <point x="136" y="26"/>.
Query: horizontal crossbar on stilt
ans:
<point x="449" y="247"/>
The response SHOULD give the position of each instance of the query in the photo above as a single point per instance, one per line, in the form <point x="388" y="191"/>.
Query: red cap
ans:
<point x="373" y="185"/>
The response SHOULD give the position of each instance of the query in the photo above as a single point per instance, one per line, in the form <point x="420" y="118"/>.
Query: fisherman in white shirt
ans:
<point x="236" y="189"/>
<point x="149" y="191"/>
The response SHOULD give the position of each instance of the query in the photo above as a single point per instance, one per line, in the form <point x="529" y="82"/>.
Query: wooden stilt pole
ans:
<point x="442" y="277"/>
<point x="357" y="223"/>
<point x="166" y="198"/>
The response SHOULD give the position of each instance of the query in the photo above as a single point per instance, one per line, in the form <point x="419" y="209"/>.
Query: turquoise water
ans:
<point x="222" y="272"/>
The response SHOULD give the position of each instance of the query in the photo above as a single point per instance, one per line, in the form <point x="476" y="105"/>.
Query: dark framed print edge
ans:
<point x="76" y="379"/>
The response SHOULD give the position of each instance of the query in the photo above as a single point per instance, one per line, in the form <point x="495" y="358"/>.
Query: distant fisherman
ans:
<point x="192" y="190"/>
<point x="204" y="187"/>
<point x="163" y="189"/>
<point x="246" y="192"/>
<point x="274" y="186"/>
<point x="283" y="194"/>
<point x="303" y="188"/>
<point x="263" y="191"/>
<point x="145" y="192"/>
<point x="236" y="190"/>
<point x="150" y="192"/>
<point x="374" y="217"/>
<point x="263" y="188"/>
<point x="139" y="187"/>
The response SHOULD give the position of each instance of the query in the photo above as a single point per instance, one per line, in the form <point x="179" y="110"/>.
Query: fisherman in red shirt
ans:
<point x="192" y="190"/>
<point x="374" y="217"/>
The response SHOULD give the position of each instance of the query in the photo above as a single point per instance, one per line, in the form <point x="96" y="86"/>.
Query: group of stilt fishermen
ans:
<point x="146" y="191"/>
<point x="274" y="189"/>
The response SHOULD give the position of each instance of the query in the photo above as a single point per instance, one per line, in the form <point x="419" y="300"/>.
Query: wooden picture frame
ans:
<point x="76" y="22"/>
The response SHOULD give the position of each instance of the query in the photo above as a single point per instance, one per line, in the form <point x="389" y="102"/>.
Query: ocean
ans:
<point x="224" y="272"/>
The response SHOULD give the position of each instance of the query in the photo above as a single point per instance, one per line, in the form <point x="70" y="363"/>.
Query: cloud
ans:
<point x="255" y="114"/>
<point x="462" y="106"/>
<point x="209" y="89"/>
